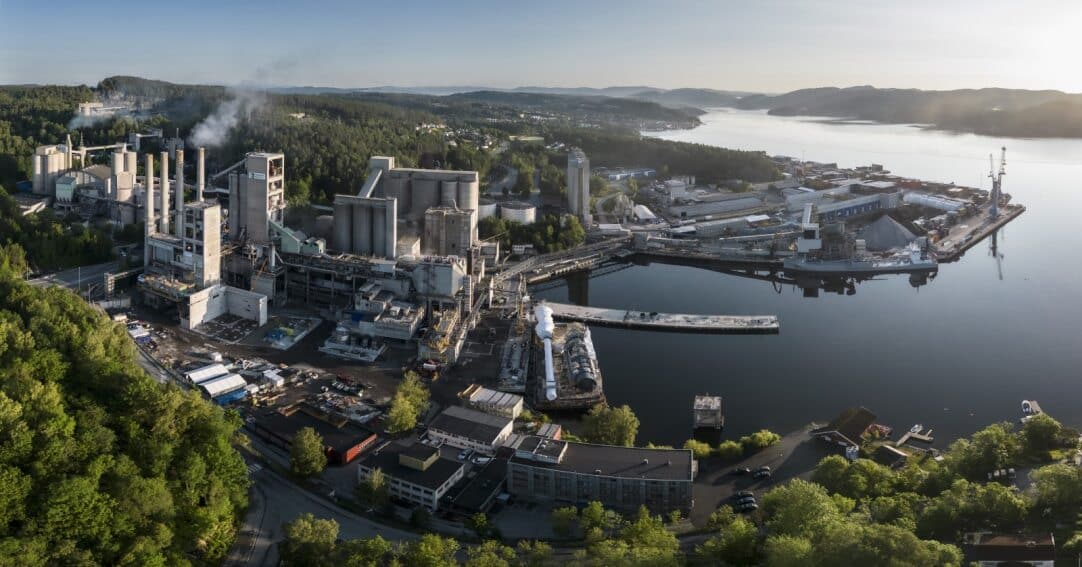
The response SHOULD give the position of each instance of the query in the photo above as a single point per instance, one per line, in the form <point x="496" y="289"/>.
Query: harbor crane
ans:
<point x="997" y="180"/>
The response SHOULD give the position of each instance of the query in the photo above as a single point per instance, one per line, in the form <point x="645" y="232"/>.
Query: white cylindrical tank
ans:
<point x="118" y="162"/>
<point x="130" y="164"/>
<point x="449" y="193"/>
<point x="469" y="192"/>
<point x="519" y="211"/>
<point x="486" y="208"/>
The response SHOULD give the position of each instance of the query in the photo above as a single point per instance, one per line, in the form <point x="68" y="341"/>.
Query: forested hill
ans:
<point x="995" y="112"/>
<point x="99" y="464"/>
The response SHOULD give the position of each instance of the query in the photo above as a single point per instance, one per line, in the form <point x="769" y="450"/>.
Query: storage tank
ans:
<point x="378" y="242"/>
<point x="469" y="192"/>
<point x="362" y="229"/>
<point x="343" y="227"/>
<point x="519" y="211"/>
<point x="118" y="162"/>
<point x="397" y="187"/>
<point x="449" y="194"/>
<point x="130" y="163"/>
<point x="324" y="227"/>
<point x="425" y="194"/>
<point x="485" y="207"/>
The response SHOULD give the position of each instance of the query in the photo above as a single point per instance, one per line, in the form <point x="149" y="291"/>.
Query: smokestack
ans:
<point x="180" y="193"/>
<point x="165" y="192"/>
<point x="67" y="157"/>
<point x="199" y="175"/>
<point x="149" y="184"/>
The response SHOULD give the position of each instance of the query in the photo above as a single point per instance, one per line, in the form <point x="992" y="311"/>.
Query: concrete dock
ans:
<point x="963" y="238"/>
<point x="724" y="324"/>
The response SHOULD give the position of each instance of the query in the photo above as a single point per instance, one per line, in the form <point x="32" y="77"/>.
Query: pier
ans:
<point x="653" y="321"/>
<point x="960" y="241"/>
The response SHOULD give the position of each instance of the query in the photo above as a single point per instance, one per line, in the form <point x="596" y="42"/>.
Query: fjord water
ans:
<point x="956" y="354"/>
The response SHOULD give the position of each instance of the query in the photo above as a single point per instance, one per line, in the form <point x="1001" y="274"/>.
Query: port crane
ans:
<point x="997" y="180"/>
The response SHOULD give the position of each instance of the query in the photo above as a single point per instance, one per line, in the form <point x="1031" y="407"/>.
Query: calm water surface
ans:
<point x="955" y="354"/>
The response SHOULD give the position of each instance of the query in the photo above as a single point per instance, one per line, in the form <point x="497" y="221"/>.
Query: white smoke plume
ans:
<point x="214" y="129"/>
<point x="81" y="121"/>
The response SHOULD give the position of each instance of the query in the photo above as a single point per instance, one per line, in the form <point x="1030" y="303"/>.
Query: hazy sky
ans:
<point x="759" y="45"/>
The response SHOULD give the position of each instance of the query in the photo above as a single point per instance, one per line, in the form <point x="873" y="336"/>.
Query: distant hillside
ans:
<point x="696" y="98"/>
<point x="999" y="112"/>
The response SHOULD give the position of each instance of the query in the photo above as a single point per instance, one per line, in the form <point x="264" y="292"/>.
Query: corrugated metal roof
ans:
<point x="206" y="373"/>
<point x="219" y="386"/>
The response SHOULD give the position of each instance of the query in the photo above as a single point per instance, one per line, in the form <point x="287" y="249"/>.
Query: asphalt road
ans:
<point x="76" y="277"/>
<point x="275" y="501"/>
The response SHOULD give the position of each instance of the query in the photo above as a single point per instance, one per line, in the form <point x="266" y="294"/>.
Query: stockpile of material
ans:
<point x="885" y="234"/>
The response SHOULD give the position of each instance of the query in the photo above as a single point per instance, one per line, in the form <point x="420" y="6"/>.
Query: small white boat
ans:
<point x="916" y="428"/>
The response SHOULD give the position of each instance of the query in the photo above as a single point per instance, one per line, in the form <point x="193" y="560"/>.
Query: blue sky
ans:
<point x="760" y="45"/>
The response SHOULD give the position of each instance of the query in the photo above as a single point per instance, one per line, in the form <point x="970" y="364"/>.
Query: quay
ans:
<point x="953" y="247"/>
<point x="722" y="324"/>
<point x="922" y="434"/>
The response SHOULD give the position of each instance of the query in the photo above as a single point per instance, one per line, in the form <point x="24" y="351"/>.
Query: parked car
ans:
<point x="759" y="474"/>
<point x="750" y="506"/>
<point x="743" y="494"/>
<point x="741" y="470"/>
<point x="463" y="454"/>
<point x="746" y="500"/>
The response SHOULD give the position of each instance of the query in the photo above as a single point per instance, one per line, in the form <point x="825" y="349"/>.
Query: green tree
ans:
<point x="368" y="552"/>
<point x="787" y="551"/>
<point x="699" y="449"/>
<point x="489" y="554"/>
<point x="611" y="426"/>
<point x="798" y="507"/>
<point x="480" y="525"/>
<point x="431" y="550"/>
<point x="410" y="401"/>
<point x="991" y="448"/>
<point x="563" y="520"/>
<point x="307" y="453"/>
<point x="759" y="440"/>
<point x="534" y="553"/>
<point x="730" y="450"/>
<point x="373" y="491"/>
<point x="1058" y="486"/>
<point x="309" y="541"/>
<point x="737" y="544"/>
<point x="1041" y="433"/>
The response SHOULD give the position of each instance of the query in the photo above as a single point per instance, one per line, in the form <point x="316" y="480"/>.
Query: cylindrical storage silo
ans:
<point x="519" y="211"/>
<point x="39" y="177"/>
<point x="485" y="208"/>
<point x="130" y="164"/>
<point x="343" y="223"/>
<point x="398" y="187"/>
<point x="362" y="227"/>
<point x="426" y="194"/>
<point x="118" y="162"/>
<point x="449" y="193"/>
<point x="379" y="232"/>
<point x="469" y="193"/>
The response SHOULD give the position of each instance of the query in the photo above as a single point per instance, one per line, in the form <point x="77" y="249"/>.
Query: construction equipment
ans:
<point x="997" y="181"/>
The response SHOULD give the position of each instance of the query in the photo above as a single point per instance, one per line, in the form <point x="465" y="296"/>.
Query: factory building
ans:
<point x="491" y="401"/>
<point x="622" y="478"/>
<point x="49" y="163"/>
<point x="448" y="231"/>
<point x="367" y="224"/>
<point x="578" y="185"/>
<point x="257" y="197"/>
<point x="416" y="474"/>
<point x="471" y="429"/>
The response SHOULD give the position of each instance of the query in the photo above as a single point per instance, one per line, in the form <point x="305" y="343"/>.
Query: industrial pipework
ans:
<point x="544" y="329"/>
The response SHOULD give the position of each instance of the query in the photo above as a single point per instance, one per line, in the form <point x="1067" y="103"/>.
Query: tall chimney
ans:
<point x="149" y="202"/>
<point x="165" y="192"/>
<point x="180" y="193"/>
<point x="199" y="176"/>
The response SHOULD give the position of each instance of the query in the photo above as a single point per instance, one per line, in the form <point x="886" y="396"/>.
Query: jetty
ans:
<point x="654" y="321"/>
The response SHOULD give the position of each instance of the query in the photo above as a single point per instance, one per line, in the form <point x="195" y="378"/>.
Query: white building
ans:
<point x="471" y="429"/>
<point x="415" y="474"/>
<point x="492" y="401"/>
